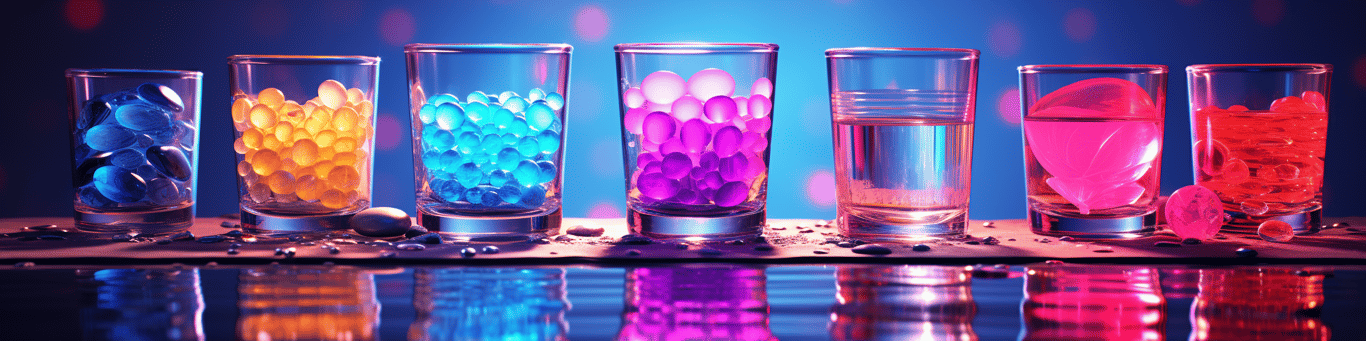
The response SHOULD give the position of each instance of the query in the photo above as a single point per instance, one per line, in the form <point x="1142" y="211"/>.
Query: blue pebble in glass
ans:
<point x="511" y="194"/>
<point x="503" y="117"/>
<point x="109" y="137"/>
<point x="527" y="172"/>
<point x="535" y="94"/>
<point x="162" y="96"/>
<point x="185" y="133"/>
<point x="469" y="126"/>
<point x="85" y="172"/>
<point x="490" y="196"/>
<point x="506" y="95"/>
<point x="442" y="99"/>
<point x="450" y="160"/>
<point x="477" y="97"/>
<point x="554" y="100"/>
<point x="94" y="113"/>
<point x="498" y="178"/>
<point x="475" y="195"/>
<point x="427" y="114"/>
<point x="510" y="140"/>
<point x="163" y="191"/>
<point x="491" y="142"/>
<point x="533" y="196"/>
<point x="146" y="172"/>
<point x="431" y="160"/>
<point x="468" y="143"/>
<point x="480" y="158"/>
<point x="539" y="116"/>
<point x="517" y="128"/>
<point x="127" y="159"/>
<point x="170" y="161"/>
<point x="442" y="140"/>
<point x="142" y="117"/>
<point x="451" y="191"/>
<point x="449" y="116"/>
<point x="508" y="159"/>
<point x="548" y="171"/>
<point x="90" y="196"/>
<point x="468" y="174"/>
<point x="556" y="126"/>
<point x="529" y="147"/>
<point x="488" y="129"/>
<point x="477" y="112"/>
<point x="165" y="136"/>
<point x="119" y="184"/>
<point x="121" y="97"/>
<point x="143" y="141"/>
<point x="549" y="141"/>
<point x="515" y="104"/>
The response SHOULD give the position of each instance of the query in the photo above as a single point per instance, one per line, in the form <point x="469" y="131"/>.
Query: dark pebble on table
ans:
<point x="429" y="238"/>
<point x="211" y="239"/>
<point x="763" y="247"/>
<point x="846" y="244"/>
<point x="1191" y="241"/>
<point x="296" y="238"/>
<point x="635" y="239"/>
<point x="992" y="241"/>
<point x="736" y="242"/>
<point x="707" y="251"/>
<point x="920" y="248"/>
<point x="632" y="252"/>
<point x="872" y="249"/>
<point x="416" y="230"/>
<point x="182" y="236"/>
<point x="490" y="249"/>
<point x="123" y="237"/>
<point x="972" y="242"/>
<point x="585" y="231"/>
<point x="1103" y="251"/>
<point x="820" y="251"/>
<point x="1243" y="252"/>
<point x="227" y="224"/>
<point x="1066" y="238"/>
<point x="1166" y="244"/>
<point x="51" y="237"/>
<point x="234" y="233"/>
<point x="468" y="252"/>
<point x="163" y="241"/>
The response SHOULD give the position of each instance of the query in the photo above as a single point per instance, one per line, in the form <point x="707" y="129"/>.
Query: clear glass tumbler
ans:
<point x="1259" y="132"/>
<point x="133" y="135"/>
<point x="903" y="123"/>
<point x="488" y="135"/>
<point x="696" y="148"/>
<point x="304" y="129"/>
<point x="1093" y="148"/>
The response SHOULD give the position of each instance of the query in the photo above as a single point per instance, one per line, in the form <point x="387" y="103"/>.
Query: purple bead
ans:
<point x="676" y="165"/>
<point x="634" y="118"/>
<point x="756" y="165"/>
<point x="734" y="168"/>
<point x="658" y="127"/>
<point x="656" y="186"/>
<point x="672" y="146"/>
<point x="727" y="141"/>
<point x="686" y="196"/>
<point x="710" y="180"/>
<point x="759" y="125"/>
<point x="731" y="194"/>
<point x="707" y="194"/>
<point x="695" y="135"/>
<point x="720" y="109"/>
<point x="686" y="108"/>
<point x="652" y="167"/>
<point x="759" y="106"/>
<point x="709" y="161"/>
<point x="697" y="173"/>
<point x="645" y="159"/>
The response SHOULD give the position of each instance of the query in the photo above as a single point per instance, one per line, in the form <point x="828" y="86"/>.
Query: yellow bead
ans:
<point x="366" y="109"/>
<point x="272" y="143"/>
<point x="305" y="152"/>
<point x="271" y="97"/>
<point x="258" y="192"/>
<point x="354" y="95"/>
<point x="322" y="113"/>
<point x="326" y="153"/>
<point x="301" y="134"/>
<point x="322" y="168"/>
<point x="344" y="144"/>
<point x="344" y="119"/>
<point x="309" y="188"/>
<point x="265" y="162"/>
<point x="284" y="131"/>
<point x="262" y="116"/>
<point x="314" y="125"/>
<point x="288" y="165"/>
<point x="332" y="93"/>
<point x="280" y="182"/>
<point x="343" y="177"/>
<point x="325" y="138"/>
<point x="288" y="106"/>
<point x="344" y="158"/>
<point x="239" y="146"/>
<point x="240" y="108"/>
<point x="243" y="168"/>
<point x="252" y="138"/>
<point x="334" y="199"/>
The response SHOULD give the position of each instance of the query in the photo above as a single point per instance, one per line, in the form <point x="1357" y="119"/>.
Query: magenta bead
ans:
<point x="662" y="87"/>
<point x="759" y="125"/>
<point x="727" y="141"/>
<point x="675" y="165"/>
<point x="673" y="145"/>
<point x="762" y="87"/>
<point x="634" y="98"/>
<point x="734" y="168"/>
<point x="755" y="163"/>
<point x="1194" y="212"/>
<point x="634" y="119"/>
<point x="686" y="108"/>
<point x="695" y="135"/>
<point x="747" y="143"/>
<point x="686" y="196"/>
<point x="656" y="186"/>
<point x="710" y="83"/>
<point x="658" y="127"/>
<point x="720" y="109"/>
<point x="649" y="146"/>
<point x="708" y="161"/>
<point x="652" y="167"/>
<point x="712" y="180"/>
<point x="731" y="194"/>
<point x="759" y="106"/>
<point x="645" y="159"/>
<point x="741" y="106"/>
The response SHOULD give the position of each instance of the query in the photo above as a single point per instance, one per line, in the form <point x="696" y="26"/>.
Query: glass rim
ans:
<point x="257" y="59"/>
<point x="1271" y="67"/>
<point x="134" y="73"/>
<point x="488" y="48"/>
<point x="695" y="48"/>
<point x="860" y="52"/>
<point x="1094" y="68"/>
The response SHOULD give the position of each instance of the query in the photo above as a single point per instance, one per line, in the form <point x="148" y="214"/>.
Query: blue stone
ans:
<point x="127" y="159"/>
<point x="443" y="99"/>
<point x="431" y="160"/>
<point x="488" y="129"/>
<point x="548" y="170"/>
<point x="533" y="196"/>
<point x="503" y="117"/>
<point x="94" y="113"/>
<point x="475" y="195"/>
<point x="449" y="116"/>
<point x="511" y="140"/>
<point x="442" y="140"/>
<point x="146" y="172"/>
<point x="527" y="172"/>
<point x="469" y="126"/>
<point x="142" y="117"/>
<point x="508" y="159"/>
<point x="450" y="160"/>
<point x="515" y="104"/>
<point x="85" y="172"/>
<point x="165" y="136"/>
<point x="468" y="143"/>
<point x="556" y="126"/>
<point x="517" y="128"/>
<point x="492" y="143"/>
<point x="477" y="97"/>
<point x="90" y="196"/>
<point x="170" y="161"/>
<point x="427" y="114"/>
<point x="476" y="112"/>
<point x="490" y="196"/>
<point x="554" y="100"/>
<point x="120" y="185"/>
<point x="539" y="116"/>
<point x="109" y="137"/>
<point x="535" y="94"/>
<point x="498" y="178"/>
<point x="510" y="194"/>
<point x="468" y="174"/>
<point x="452" y="191"/>
<point x="480" y="158"/>
<point x="163" y="191"/>
<point x="506" y="95"/>
<point x="161" y="95"/>
<point x="142" y="141"/>
<point x="549" y="141"/>
<point x="528" y="146"/>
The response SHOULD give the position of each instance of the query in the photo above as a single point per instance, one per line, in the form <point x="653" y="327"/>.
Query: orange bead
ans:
<point x="305" y="152"/>
<point x="281" y="182"/>
<point x="343" y="177"/>
<point x="262" y="116"/>
<point x="309" y="188"/>
<point x="334" y="199"/>
<point x="325" y="138"/>
<point x="240" y="108"/>
<point x="354" y="96"/>
<point x="332" y="93"/>
<point x="243" y="168"/>
<point x="271" y="97"/>
<point x="344" y="119"/>
<point x="252" y="138"/>
<point x="265" y="162"/>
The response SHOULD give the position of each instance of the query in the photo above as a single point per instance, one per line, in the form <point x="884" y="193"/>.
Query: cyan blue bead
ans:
<point x="468" y="143"/>
<point x="539" y="116"/>
<point x="162" y="96"/>
<point x="510" y="140"/>
<point x="503" y="117"/>
<point x="477" y="112"/>
<point x="449" y="116"/>
<point x="469" y="126"/>
<point x="492" y="143"/>
<point x="477" y="96"/>
<point x="533" y="196"/>
<point x="450" y="160"/>
<point x="508" y="159"/>
<point x="529" y="147"/>
<point x="442" y="99"/>
<point x="90" y="196"/>
<point x="452" y="191"/>
<point x="475" y="195"/>
<point x="549" y="141"/>
<point x="548" y="170"/>
<point x="185" y="134"/>
<point x="554" y="100"/>
<point x="527" y="172"/>
<point x="498" y="178"/>
<point x="490" y="196"/>
<point x="142" y="117"/>
<point x="515" y="104"/>
<point x="442" y="140"/>
<point x="427" y="114"/>
<point x="85" y="171"/>
<point x="507" y="95"/>
<point x="170" y="161"/>
<point x="489" y="129"/>
<point x="517" y="128"/>
<point x="127" y="159"/>
<point x="109" y="137"/>
<point x="163" y="191"/>
<point x="510" y="194"/>
<point x="432" y="160"/>
<point x="535" y="95"/>
<point x="468" y="174"/>
<point x="120" y="185"/>
<point x="93" y="113"/>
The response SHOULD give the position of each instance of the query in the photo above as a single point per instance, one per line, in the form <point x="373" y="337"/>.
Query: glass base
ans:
<point x="1304" y="223"/>
<point x="878" y="231"/>
<point x="260" y="222"/>
<point x="660" y="227"/>
<point x="548" y="223"/>
<point x="165" y="221"/>
<point x="1092" y="228"/>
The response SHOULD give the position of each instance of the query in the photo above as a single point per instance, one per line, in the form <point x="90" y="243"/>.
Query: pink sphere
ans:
<point x="695" y="135"/>
<point x="634" y="118"/>
<point x="686" y="108"/>
<point x="1194" y="212"/>
<point x="658" y="127"/>
<point x="720" y="109"/>
<point x="762" y="87"/>
<point x="759" y="125"/>
<point x="710" y="83"/>
<point x="634" y="98"/>
<point x="759" y="106"/>
<point x="662" y="87"/>
<point x="742" y="106"/>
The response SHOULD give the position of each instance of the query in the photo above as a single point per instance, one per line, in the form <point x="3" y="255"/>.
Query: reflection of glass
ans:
<point x="1066" y="302"/>
<point x="306" y="304"/>
<point x="692" y="303"/>
<point x="1258" y="304"/>
<point x="903" y="121"/>
<point x="1259" y="133"/>
<point x="304" y="129"/>
<point x="133" y="135"/>
<point x="130" y="304"/>
<point x="489" y="304"/>
<point x="696" y="149"/>
<point x="488" y="131"/>
<point x="1093" y="147"/>
<point x="903" y="303"/>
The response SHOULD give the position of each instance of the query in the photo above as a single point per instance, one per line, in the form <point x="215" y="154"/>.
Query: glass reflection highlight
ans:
<point x="1070" y="302"/>
<point x="489" y="304"/>
<point x="1258" y="304"/>
<point x="711" y="302"/>
<point x="142" y="304"/>
<point x="306" y="304"/>
<point x="903" y="303"/>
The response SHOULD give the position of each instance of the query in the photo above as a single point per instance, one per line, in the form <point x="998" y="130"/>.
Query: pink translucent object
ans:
<point x="1194" y="212"/>
<point x="675" y="165"/>
<point x="634" y="98"/>
<point x="762" y="86"/>
<point x="657" y="186"/>
<point x="720" y="109"/>
<point x="695" y="135"/>
<point x="727" y="141"/>
<point x="634" y="118"/>
<point x="658" y="127"/>
<point x="662" y="87"/>
<point x="731" y="194"/>
<point x="710" y="83"/>
<point x="686" y="108"/>
<point x="1276" y="231"/>
<point x="759" y="105"/>
<point x="1098" y="97"/>
<point x="742" y="106"/>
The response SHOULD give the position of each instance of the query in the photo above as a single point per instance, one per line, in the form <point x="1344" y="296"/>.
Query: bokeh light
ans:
<point x="1268" y="12"/>
<point x="397" y="26"/>
<point x="84" y="14"/>
<point x="604" y="209"/>
<point x="820" y="188"/>
<point x="1008" y="106"/>
<point x="388" y="132"/>
<point x="1003" y="39"/>
<point x="591" y="23"/>
<point x="1079" y="24"/>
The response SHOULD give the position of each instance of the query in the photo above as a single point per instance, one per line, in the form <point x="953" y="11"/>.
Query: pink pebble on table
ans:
<point x="760" y="106"/>
<point x="675" y="165"/>
<point x="762" y="86"/>
<point x="731" y="194"/>
<point x="634" y="98"/>
<point x="1194" y="212"/>
<point x="695" y="135"/>
<point x="634" y="118"/>
<point x="720" y="109"/>
<point x="662" y="87"/>
<point x="656" y="186"/>
<point x="658" y="127"/>
<point x="727" y="141"/>
<point x="710" y="83"/>
<point x="759" y="125"/>
<point x="734" y="168"/>
<point x="686" y="108"/>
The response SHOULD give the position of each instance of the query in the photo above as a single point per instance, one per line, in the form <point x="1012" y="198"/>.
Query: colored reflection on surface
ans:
<point x="696" y="303"/>
<point x="133" y="304"/>
<point x="320" y="303"/>
<point x="489" y="304"/>
<point x="1259" y="304"/>
<point x="1072" y="302"/>
<point x="903" y="303"/>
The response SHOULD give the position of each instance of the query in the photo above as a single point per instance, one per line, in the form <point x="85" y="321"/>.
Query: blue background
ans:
<point x="44" y="38"/>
